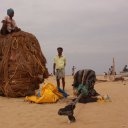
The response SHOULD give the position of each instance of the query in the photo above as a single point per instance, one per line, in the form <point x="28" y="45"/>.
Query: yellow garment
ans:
<point x="60" y="62"/>
<point x="49" y="94"/>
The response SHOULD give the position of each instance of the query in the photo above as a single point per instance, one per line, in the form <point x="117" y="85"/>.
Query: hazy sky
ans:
<point x="91" y="32"/>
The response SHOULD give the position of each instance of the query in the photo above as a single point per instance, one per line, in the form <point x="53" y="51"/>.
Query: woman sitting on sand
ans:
<point x="83" y="88"/>
<point x="84" y="81"/>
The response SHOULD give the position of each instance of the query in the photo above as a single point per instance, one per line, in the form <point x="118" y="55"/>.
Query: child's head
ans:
<point x="60" y="50"/>
<point x="10" y="12"/>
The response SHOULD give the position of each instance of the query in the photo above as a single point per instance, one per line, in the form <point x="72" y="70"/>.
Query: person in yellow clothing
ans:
<point x="59" y="67"/>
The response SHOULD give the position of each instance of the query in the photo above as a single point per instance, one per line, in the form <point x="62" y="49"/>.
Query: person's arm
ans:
<point x="3" y="30"/>
<point x="16" y="29"/>
<point x="54" y="66"/>
<point x="6" y="20"/>
<point x="64" y="61"/>
<point x="14" y="24"/>
<point x="3" y="21"/>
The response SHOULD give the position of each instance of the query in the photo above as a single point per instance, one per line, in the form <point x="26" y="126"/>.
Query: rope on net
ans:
<point x="21" y="61"/>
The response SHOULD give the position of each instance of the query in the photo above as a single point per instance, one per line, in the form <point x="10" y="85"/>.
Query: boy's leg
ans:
<point x="58" y="82"/>
<point x="63" y="82"/>
<point x="58" y="78"/>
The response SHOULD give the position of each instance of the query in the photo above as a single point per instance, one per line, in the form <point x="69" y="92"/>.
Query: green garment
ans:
<point x="83" y="88"/>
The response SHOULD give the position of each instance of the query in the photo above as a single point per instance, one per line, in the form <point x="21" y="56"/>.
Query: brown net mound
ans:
<point x="22" y="64"/>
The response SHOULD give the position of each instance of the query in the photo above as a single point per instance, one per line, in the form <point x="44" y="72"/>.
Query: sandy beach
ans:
<point x="16" y="113"/>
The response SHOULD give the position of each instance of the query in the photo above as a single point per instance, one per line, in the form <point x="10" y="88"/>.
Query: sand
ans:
<point x="16" y="113"/>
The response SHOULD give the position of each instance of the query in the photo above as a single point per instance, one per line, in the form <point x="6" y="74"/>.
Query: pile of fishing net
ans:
<point x="22" y="64"/>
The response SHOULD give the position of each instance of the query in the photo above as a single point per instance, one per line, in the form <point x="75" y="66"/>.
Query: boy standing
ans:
<point x="59" y="67"/>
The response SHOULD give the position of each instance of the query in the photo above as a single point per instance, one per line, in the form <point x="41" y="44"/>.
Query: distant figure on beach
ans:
<point x="110" y="71"/>
<point x="73" y="70"/>
<point x="9" y="24"/>
<point x="84" y="81"/>
<point x="105" y="75"/>
<point x="59" y="67"/>
<point x="125" y="69"/>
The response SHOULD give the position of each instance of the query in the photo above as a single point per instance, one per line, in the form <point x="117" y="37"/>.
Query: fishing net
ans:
<point x="22" y="64"/>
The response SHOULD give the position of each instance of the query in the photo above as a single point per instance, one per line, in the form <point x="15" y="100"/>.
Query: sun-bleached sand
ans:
<point x="16" y="113"/>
